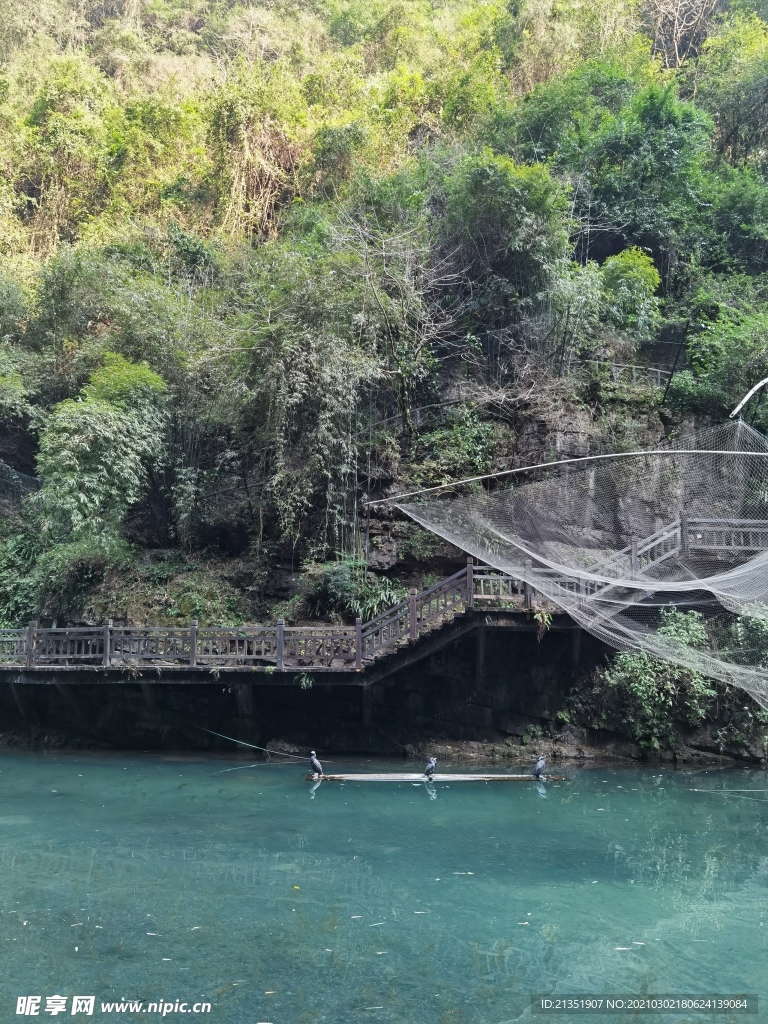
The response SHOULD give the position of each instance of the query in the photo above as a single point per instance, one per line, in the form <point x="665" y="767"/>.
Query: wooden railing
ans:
<point x="630" y="373"/>
<point x="418" y="613"/>
<point x="681" y="538"/>
<point x="282" y="648"/>
<point x="727" y="534"/>
<point x="277" y="648"/>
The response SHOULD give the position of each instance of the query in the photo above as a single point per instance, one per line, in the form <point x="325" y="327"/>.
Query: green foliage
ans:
<point x="689" y="393"/>
<point x="301" y="377"/>
<point x="578" y="302"/>
<point x="343" y="588"/>
<point x="646" y="166"/>
<point x="95" y="450"/>
<point x="543" y="620"/>
<point x="464" y="448"/>
<point x="630" y="281"/>
<point x="18" y="595"/>
<point x="749" y="642"/>
<point x="558" y="119"/>
<point x="740" y="221"/>
<point x="374" y="594"/>
<point x="506" y="220"/>
<point x="234" y="238"/>
<point x="651" y="693"/>
<point x="532" y="732"/>
<point x="127" y="385"/>
<point x="415" y="540"/>
<point x="726" y="358"/>
<point x="729" y="79"/>
<point x="13" y="309"/>
<point x="14" y="390"/>
<point x="170" y="588"/>
<point x="65" y="574"/>
<point x="335" y="149"/>
<point x="329" y="588"/>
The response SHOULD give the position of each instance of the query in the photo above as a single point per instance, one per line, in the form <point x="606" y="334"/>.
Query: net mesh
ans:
<point x="619" y="542"/>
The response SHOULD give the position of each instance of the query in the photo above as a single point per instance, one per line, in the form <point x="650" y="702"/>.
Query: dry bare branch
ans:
<point x="680" y="26"/>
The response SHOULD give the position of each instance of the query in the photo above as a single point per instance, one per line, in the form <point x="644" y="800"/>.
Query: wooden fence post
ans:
<point x="527" y="588"/>
<point x="470" y="582"/>
<point x="31" y="643"/>
<point x="358" y="643"/>
<point x="107" y="642"/>
<point x="685" y="547"/>
<point x="193" y="643"/>
<point x="280" y="643"/>
<point x="413" y="631"/>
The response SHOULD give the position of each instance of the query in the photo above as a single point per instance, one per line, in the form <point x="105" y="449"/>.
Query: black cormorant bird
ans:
<point x="539" y="767"/>
<point x="432" y="764"/>
<point x="317" y="768"/>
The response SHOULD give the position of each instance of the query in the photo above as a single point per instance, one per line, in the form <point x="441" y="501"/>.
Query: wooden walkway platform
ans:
<point x="410" y="777"/>
<point x="208" y="650"/>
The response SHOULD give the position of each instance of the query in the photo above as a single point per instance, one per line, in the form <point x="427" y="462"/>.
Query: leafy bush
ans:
<point x="506" y="219"/>
<point x="343" y="588"/>
<point x="690" y="393"/>
<point x="19" y="597"/>
<point x="94" y="451"/>
<point x="375" y="594"/>
<point x="748" y="643"/>
<point x="66" y="574"/>
<point x="651" y="694"/>
<point x="728" y="355"/>
<point x="329" y="588"/>
<point x="630" y="281"/>
<point x="465" y="448"/>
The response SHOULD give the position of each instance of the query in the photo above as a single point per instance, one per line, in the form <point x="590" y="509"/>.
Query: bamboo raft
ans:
<point x="403" y="777"/>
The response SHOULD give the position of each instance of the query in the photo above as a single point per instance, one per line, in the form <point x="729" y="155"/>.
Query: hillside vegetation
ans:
<point x="261" y="261"/>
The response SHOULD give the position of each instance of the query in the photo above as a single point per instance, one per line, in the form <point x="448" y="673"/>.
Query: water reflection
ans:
<point x="124" y="876"/>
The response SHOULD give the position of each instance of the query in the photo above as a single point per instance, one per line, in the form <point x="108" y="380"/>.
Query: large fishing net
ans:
<point x="626" y="543"/>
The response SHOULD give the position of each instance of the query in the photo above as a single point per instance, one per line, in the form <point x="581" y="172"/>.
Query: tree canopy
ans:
<point x="248" y="249"/>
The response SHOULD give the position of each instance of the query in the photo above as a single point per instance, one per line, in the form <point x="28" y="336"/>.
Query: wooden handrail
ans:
<point x="347" y="648"/>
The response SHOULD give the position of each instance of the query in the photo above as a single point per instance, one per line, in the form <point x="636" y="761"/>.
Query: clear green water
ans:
<point x="408" y="909"/>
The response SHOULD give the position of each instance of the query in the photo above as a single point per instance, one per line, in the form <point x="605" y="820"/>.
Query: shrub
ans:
<point x="95" y="450"/>
<point x="652" y="693"/>
<point x="343" y="588"/>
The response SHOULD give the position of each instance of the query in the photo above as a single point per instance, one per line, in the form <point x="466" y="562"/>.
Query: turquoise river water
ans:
<point x="151" y="878"/>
